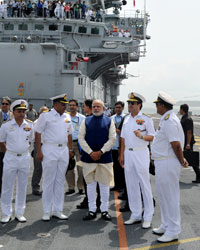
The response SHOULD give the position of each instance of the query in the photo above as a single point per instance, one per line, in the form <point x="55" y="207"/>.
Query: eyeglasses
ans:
<point x="4" y="103"/>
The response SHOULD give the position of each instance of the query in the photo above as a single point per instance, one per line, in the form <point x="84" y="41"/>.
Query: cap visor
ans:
<point x="155" y="101"/>
<point x="64" y="102"/>
<point x="132" y="100"/>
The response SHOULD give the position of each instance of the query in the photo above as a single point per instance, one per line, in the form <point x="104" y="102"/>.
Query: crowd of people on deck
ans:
<point x="112" y="151"/>
<point x="44" y="8"/>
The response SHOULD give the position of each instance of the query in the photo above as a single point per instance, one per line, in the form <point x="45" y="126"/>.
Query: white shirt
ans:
<point x="139" y="122"/>
<point x="169" y="130"/>
<point x="17" y="137"/>
<point x="54" y="127"/>
<point x="76" y="122"/>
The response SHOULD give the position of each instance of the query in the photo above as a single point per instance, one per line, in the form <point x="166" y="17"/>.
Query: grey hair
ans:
<point x="97" y="100"/>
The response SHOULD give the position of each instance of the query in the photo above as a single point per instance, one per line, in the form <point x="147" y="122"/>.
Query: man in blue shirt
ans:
<point x="118" y="170"/>
<point x="76" y="119"/>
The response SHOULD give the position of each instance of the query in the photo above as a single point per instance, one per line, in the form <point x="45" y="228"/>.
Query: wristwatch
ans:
<point x="188" y="145"/>
<point x="141" y="137"/>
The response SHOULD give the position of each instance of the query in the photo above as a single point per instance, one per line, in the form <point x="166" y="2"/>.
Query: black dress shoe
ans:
<point x="196" y="181"/>
<point x="37" y="193"/>
<point x="90" y="216"/>
<point x="70" y="191"/>
<point x="82" y="205"/>
<point x="80" y="191"/>
<point x="106" y="216"/>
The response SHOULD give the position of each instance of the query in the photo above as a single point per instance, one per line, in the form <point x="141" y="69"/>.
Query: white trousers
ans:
<point x="54" y="164"/>
<point x="167" y="189"/>
<point x="14" y="166"/>
<point x="137" y="181"/>
<point x="92" y="195"/>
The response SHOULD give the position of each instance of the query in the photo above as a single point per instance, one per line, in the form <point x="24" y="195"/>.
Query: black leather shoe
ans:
<point x="82" y="205"/>
<point x="37" y="193"/>
<point x="90" y="216"/>
<point x="80" y="191"/>
<point x="196" y="181"/>
<point x="70" y="191"/>
<point x="106" y="216"/>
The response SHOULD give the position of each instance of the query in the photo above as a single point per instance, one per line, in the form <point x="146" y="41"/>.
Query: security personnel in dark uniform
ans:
<point x="187" y="124"/>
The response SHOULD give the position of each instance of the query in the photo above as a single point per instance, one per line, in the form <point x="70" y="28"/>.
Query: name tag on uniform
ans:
<point x="11" y="129"/>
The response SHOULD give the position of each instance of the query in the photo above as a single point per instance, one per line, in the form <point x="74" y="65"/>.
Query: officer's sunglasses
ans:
<point x="4" y="103"/>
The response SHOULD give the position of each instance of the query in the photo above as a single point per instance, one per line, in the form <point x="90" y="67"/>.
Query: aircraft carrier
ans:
<point x="43" y="57"/>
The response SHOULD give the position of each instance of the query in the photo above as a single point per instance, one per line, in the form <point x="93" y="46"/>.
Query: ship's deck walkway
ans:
<point x="76" y="234"/>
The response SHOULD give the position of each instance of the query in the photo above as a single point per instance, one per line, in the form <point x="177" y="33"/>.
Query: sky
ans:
<point x="172" y="62"/>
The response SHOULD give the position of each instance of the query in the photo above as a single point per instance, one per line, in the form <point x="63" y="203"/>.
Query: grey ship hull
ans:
<point x="41" y="58"/>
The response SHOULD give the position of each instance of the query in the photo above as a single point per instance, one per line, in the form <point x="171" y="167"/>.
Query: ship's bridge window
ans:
<point x="82" y="30"/>
<point x="95" y="31"/>
<point x="39" y="27"/>
<point x="67" y="28"/>
<point x="53" y="27"/>
<point x="8" y="26"/>
<point x="23" y="26"/>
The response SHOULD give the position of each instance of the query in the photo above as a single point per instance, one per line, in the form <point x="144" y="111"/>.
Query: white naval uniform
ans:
<point x="136" y="161"/>
<point x="167" y="169"/>
<point x="54" y="129"/>
<point x="16" y="163"/>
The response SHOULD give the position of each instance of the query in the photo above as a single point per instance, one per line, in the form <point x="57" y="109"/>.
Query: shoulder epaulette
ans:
<point x="28" y="120"/>
<point x="167" y="117"/>
<point x="146" y="115"/>
<point x="67" y="112"/>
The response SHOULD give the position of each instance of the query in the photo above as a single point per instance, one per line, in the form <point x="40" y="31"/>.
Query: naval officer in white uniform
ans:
<point x="168" y="158"/>
<point x="15" y="136"/>
<point x="137" y="132"/>
<point x="56" y="129"/>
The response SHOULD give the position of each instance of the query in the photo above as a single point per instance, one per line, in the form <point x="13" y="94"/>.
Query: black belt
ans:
<point x="75" y="140"/>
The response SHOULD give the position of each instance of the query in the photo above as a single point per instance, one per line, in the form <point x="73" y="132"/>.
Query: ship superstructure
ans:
<point x="43" y="57"/>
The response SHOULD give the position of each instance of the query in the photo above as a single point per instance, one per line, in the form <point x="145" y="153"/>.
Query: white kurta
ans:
<point x="98" y="172"/>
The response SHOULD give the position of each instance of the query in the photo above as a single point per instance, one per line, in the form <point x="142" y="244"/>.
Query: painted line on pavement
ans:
<point x="123" y="244"/>
<point x="168" y="244"/>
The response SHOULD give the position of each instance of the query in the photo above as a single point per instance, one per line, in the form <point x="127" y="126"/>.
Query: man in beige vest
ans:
<point x="5" y="115"/>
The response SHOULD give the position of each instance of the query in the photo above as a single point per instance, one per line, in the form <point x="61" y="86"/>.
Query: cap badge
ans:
<point x="132" y="96"/>
<point x="23" y="104"/>
<point x="65" y="97"/>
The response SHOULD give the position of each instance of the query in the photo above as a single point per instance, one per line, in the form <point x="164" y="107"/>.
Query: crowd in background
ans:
<point x="43" y="8"/>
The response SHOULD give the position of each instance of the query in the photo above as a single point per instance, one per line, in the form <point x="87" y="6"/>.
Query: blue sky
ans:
<point x="172" y="62"/>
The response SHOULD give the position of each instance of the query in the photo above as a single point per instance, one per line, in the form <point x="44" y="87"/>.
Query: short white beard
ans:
<point x="98" y="114"/>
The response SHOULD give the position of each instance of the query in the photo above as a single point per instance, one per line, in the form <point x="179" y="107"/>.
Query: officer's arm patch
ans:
<point x="28" y="120"/>
<point x="146" y="115"/>
<point x="166" y="117"/>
